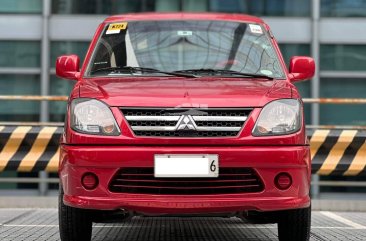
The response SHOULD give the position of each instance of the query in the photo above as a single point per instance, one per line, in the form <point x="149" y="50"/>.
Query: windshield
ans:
<point x="169" y="46"/>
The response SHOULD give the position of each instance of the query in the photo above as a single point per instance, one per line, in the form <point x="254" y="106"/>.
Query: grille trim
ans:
<point x="196" y="118"/>
<point x="142" y="181"/>
<point x="186" y="122"/>
<point x="173" y="128"/>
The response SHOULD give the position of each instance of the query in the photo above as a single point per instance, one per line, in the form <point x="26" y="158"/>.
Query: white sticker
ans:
<point x="254" y="28"/>
<point x="266" y="72"/>
<point x="98" y="63"/>
<point x="185" y="33"/>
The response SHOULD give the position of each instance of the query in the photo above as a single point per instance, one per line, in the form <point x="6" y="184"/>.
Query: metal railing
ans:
<point x="34" y="97"/>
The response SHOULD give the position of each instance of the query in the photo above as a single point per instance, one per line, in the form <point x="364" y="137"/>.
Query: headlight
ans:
<point x="279" y="117"/>
<point x="92" y="117"/>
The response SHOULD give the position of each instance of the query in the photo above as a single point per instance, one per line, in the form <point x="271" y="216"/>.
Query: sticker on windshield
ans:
<point x="115" y="28"/>
<point x="184" y="33"/>
<point x="266" y="72"/>
<point x="142" y="45"/>
<point x="254" y="28"/>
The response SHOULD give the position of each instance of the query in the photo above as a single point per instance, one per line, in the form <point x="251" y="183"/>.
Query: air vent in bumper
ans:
<point x="142" y="181"/>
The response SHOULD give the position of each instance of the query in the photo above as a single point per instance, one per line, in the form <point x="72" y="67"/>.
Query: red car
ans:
<point x="184" y="113"/>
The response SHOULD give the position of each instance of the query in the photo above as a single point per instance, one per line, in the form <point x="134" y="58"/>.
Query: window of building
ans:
<point x="21" y="6"/>
<point x="346" y="114"/>
<point x="8" y="186"/>
<point x="289" y="50"/>
<point x="102" y="6"/>
<point x="263" y="7"/>
<point x="258" y="7"/>
<point x="11" y="110"/>
<point x="59" y="48"/>
<point x="343" y="57"/>
<point x="343" y="8"/>
<point x="20" y="53"/>
<point x="59" y="87"/>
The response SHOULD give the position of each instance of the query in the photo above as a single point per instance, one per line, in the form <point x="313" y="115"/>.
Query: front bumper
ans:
<point x="105" y="161"/>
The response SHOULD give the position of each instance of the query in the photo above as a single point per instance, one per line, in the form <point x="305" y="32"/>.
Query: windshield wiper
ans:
<point x="223" y="72"/>
<point x="132" y="70"/>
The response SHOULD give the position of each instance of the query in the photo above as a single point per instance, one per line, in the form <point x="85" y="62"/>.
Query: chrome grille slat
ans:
<point x="219" y="118"/>
<point x="152" y="118"/>
<point x="153" y="128"/>
<point x="214" y="128"/>
<point x="186" y="122"/>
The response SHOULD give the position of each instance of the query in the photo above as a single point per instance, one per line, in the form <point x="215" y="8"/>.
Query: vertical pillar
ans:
<point x="315" y="82"/>
<point x="45" y="80"/>
<point x="181" y="5"/>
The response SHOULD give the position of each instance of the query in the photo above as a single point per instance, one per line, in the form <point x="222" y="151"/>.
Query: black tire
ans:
<point x="295" y="225"/>
<point x="255" y="217"/>
<point x="74" y="224"/>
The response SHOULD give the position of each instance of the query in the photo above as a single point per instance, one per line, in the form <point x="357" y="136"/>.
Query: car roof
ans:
<point x="183" y="16"/>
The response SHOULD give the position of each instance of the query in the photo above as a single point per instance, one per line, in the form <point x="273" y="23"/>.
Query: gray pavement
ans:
<point x="42" y="224"/>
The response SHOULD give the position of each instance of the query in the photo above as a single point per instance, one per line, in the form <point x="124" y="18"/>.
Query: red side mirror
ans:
<point x="67" y="67"/>
<point x="301" y="68"/>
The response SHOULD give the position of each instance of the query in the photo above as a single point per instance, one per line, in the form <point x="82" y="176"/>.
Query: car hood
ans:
<point x="184" y="92"/>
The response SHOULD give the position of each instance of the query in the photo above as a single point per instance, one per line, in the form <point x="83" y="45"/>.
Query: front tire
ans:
<point x="295" y="225"/>
<point x="74" y="224"/>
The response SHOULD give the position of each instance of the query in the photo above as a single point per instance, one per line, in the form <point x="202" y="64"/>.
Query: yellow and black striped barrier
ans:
<point x="29" y="148"/>
<point x="338" y="152"/>
<point x="35" y="148"/>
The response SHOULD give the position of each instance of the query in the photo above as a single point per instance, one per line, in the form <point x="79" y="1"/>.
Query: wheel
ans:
<point x="75" y="224"/>
<point x="295" y="225"/>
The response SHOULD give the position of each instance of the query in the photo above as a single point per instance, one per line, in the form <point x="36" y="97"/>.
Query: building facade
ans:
<point x="35" y="32"/>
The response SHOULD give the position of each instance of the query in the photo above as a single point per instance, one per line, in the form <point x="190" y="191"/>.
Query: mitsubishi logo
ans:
<point x="186" y="122"/>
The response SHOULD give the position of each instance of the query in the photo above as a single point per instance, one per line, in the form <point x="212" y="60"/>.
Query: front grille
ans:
<point x="142" y="181"/>
<point x="186" y="122"/>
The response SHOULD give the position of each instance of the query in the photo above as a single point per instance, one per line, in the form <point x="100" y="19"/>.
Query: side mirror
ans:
<point x="301" y="68"/>
<point x="67" y="67"/>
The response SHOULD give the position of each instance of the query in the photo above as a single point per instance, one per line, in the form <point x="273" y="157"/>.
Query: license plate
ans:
<point x="205" y="165"/>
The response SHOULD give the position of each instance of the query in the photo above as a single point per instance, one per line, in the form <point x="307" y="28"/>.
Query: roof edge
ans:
<point x="184" y="15"/>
